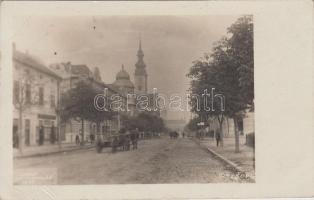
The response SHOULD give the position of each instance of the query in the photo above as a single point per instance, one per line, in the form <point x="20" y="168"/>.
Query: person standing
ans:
<point x="41" y="135"/>
<point x="77" y="139"/>
<point x="52" y="136"/>
<point x="134" y="138"/>
<point x="217" y="137"/>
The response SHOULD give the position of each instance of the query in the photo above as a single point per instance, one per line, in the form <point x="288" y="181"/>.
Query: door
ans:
<point x="15" y="133"/>
<point x="27" y="132"/>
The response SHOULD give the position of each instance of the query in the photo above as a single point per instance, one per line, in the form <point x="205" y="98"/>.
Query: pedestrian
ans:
<point x="217" y="137"/>
<point x="77" y="139"/>
<point x="114" y="144"/>
<point x="134" y="138"/>
<point x="183" y="134"/>
<point x="92" y="138"/>
<point x="41" y="135"/>
<point x="52" y="136"/>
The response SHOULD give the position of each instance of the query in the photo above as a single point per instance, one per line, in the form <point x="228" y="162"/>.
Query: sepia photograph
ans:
<point x="156" y="99"/>
<point x="133" y="100"/>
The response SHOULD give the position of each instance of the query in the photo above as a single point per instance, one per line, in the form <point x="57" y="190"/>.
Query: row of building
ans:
<point x="37" y="89"/>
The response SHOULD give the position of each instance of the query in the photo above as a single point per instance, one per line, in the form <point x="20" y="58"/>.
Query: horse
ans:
<point x="173" y="134"/>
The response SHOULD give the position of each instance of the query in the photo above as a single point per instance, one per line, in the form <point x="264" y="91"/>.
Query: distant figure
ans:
<point x="126" y="141"/>
<point x="134" y="138"/>
<point x="77" y="139"/>
<point x="53" y="135"/>
<point x="183" y="134"/>
<point x="217" y="137"/>
<point x="92" y="138"/>
<point x="114" y="145"/>
<point x="173" y="134"/>
<point x="41" y="135"/>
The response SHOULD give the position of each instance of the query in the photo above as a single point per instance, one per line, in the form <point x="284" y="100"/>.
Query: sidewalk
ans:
<point x="48" y="149"/>
<point x="243" y="160"/>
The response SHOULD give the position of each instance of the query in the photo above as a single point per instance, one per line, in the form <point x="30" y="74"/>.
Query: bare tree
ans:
<point x="26" y="94"/>
<point x="23" y="100"/>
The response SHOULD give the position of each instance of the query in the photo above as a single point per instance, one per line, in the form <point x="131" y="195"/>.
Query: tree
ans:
<point x="230" y="70"/>
<point x="192" y="125"/>
<point x="78" y="104"/>
<point x="242" y="53"/>
<point x="144" y="121"/>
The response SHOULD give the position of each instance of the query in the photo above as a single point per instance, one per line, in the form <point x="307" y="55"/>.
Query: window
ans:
<point x="52" y="98"/>
<point x="16" y="92"/>
<point x="28" y="93"/>
<point x="52" y="101"/>
<point x="27" y="132"/>
<point x="41" y="96"/>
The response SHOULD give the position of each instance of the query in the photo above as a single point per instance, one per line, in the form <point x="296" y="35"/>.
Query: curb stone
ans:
<point x="234" y="166"/>
<point x="237" y="169"/>
<point x="51" y="153"/>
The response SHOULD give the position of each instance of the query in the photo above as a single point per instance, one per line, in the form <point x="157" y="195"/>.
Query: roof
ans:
<point x="80" y="70"/>
<point x="122" y="74"/>
<point x="32" y="62"/>
<point x="123" y="79"/>
<point x="124" y="83"/>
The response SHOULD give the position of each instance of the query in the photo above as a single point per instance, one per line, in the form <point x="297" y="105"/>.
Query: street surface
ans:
<point x="155" y="161"/>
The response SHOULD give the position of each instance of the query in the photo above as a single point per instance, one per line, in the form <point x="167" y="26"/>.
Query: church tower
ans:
<point x="140" y="75"/>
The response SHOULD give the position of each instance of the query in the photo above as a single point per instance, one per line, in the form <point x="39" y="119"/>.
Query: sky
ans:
<point x="170" y="44"/>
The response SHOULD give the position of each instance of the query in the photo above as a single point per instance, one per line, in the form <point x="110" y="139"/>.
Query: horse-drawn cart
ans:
<point x="117" y="142"/>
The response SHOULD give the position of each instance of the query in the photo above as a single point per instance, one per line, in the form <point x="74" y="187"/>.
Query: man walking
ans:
<point x="77" y="139"/>
<point x="217" y="137"/>
<point x="41" y="135"/>
<point x="52" y="136"/>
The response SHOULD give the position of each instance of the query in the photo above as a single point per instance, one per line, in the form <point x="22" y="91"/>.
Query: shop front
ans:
<point x="46" y="131"/>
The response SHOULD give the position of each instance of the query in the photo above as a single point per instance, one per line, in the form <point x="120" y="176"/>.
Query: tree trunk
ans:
<point x="220" y="121"/>
<point x="83" y="136"/>
<point x="221" y="133"/>
<point x="236" y="133"/>
<point x="20" y="132"/>
<point x="228" y="125"/>
<point x="58" y="116"/>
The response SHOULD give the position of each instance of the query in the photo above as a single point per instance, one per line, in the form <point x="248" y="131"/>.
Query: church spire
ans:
<point x="140" y="53"/>
<point x="140" y="75"/>
<point x="140" y="43"/>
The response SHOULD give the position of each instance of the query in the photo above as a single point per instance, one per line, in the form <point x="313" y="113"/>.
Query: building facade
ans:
<point x="71" y="76"/>
<point x="35" y="97"/>
<point x="246" y="124"/>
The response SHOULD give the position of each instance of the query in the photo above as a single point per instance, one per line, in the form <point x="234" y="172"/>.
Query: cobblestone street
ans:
<point x="156" y="161"/>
